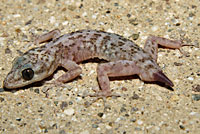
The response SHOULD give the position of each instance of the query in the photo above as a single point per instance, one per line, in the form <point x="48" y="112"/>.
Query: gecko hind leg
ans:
<point x="47" y="36"/>
<point x="152" y="42"/>
<point x="112" y="69"/>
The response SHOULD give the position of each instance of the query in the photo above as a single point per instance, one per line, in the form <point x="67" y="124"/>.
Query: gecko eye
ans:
<point x="28" y="74"/>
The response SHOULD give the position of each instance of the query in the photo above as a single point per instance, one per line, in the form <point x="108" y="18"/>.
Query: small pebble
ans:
<point x="62" y="132"/>
<point x="193" y="113"/>
<point x="28" y="22"/>
<point x="154" y="28"/>
<point x="100" y="114"/>
<point x="134" y="109"/>
<point x="69" y="111"/>
<point x="1" y="99"/>
<point x="190" y="78"/>
<point x="16" y="15"/>
<point x="108" y="127"/>
<point x="2" y="89"/>
<point x="133" y="120"/>
<point x="7" y="50"/>
<point x="135" y="97"/>
<point x="159" y="98"/>
<point x="85" y="132"/>
<point x="95" y="126"/>
<point x="196" y="88"/>
<point x="174" y="97"/>
<point x="196" y="97"/>
<point x="52" y="20"/>
<point x="65" y="23"/>
<point x="137" y="128"/>
<point x="18" y="119"/>
<point x="182" y="127"/>
<point x="63" y="105"/>
<point x="110" y="31"/>
<point x="139" y="122"/>
<point x="134" y="36"/>
<point x="84" y="14"/>
<point x="37" y="91"/>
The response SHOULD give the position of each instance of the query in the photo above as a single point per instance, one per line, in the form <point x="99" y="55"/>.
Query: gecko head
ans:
<point x="154" y="73"/>
<point x="27" y="69"/>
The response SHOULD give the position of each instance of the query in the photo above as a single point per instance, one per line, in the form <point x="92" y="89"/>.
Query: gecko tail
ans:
<point x="161" y="77"/>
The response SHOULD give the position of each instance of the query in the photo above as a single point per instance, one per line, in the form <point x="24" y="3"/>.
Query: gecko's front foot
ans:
<point x="103" y="93"/>
<point x="100" y="94"/>
<point x="56" y="84"/>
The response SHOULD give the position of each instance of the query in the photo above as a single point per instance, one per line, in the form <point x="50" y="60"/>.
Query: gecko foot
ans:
<point x="103" y="94"/>
<point x="183" y="52"/>
<point x="99" y="94"/>
<point x="56" y="84"/>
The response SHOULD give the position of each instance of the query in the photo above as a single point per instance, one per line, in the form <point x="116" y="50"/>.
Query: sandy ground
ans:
<point x="143" y="107"/>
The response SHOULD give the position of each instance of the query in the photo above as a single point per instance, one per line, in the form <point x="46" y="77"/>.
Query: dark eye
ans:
<point x="28" y="74"/>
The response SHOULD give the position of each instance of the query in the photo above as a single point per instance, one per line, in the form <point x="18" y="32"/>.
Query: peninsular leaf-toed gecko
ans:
<point x="124" y="58"/>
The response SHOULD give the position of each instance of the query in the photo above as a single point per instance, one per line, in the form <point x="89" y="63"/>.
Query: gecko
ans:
<point x="123" y="56"/>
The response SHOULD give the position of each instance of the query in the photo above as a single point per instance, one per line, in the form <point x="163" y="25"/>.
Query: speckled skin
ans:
<point x="124" y="58"/>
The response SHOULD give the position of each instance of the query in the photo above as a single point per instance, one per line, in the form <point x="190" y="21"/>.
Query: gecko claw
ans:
<point x="161" y="77"/>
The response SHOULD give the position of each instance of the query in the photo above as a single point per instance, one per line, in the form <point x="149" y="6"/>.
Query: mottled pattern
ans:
<point x="124" y="58"/>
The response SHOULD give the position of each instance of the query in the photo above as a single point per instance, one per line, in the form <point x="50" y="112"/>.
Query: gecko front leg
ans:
<point x="74" y="70"/>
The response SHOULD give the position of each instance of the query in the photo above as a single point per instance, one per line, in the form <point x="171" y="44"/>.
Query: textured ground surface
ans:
<point x="143" y="108"/>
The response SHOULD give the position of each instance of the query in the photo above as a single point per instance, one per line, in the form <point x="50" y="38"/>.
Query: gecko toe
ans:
<point x="161" y="77"/>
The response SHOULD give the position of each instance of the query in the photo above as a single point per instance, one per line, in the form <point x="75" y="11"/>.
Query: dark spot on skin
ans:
<point x="93" y="40"/>
<point x="89" y="47"/>
<point x="71" y="38"/>
<point x="122" y="38"/>
<point x="141" y="60"/>
<point x="80" y="36"/>
<point x="104" y="82"/>
<point x="116" y="53"/>
<point x="78" y="48"/>
<point x="101" y="32"/>
<point x="106" y="38"/>
<point x="109" y="54"/>
<point x="126" y="64"/>
<point x="124" y="51"/>
<point x="95" y="48"/>
<point x="46" y="60"/>
<point x="136" y="62"/>
<point x="97" y="35"/>
<point x="112" y="44"/>
<point x="57" y="38"/>
<point x="71" y="34"/>
<point x="152" y="51"/>
<point x="149" y="66"/>
<point x="71" y="45"/>
<point x="133" y="50"/>
<point x="120" y="43"/>
<point x="138" y="48"/>
<point x="104" y="41"/>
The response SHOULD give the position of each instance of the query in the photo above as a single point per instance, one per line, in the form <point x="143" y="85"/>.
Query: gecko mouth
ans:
<point x="161" y="77"/>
